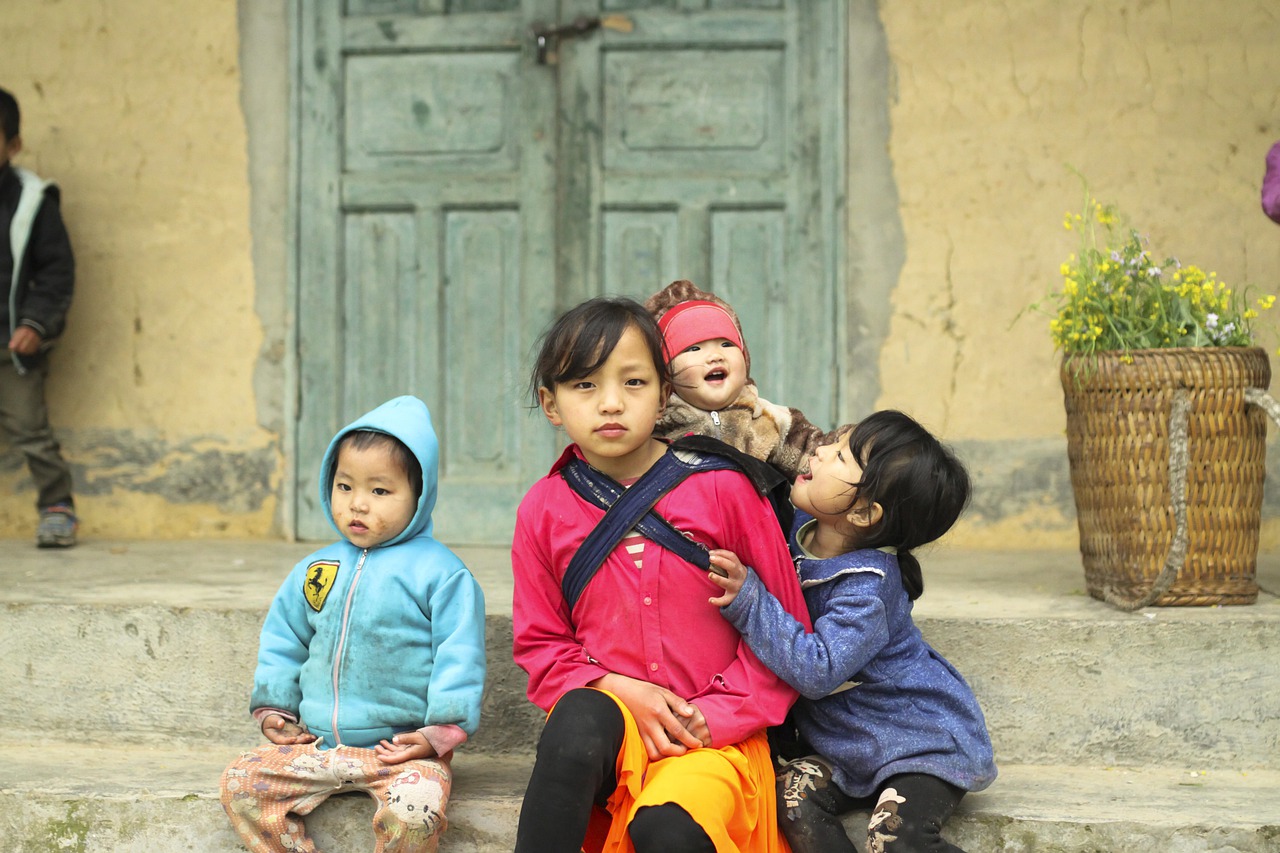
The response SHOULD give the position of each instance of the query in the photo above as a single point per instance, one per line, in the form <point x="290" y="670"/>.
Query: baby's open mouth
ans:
<point x="717" y="376"/>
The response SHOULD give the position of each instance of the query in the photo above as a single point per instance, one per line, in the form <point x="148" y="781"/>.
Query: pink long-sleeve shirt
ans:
<point x="652" y="623"/>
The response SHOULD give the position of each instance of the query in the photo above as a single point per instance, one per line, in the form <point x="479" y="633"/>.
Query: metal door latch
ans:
<point x="546" y="38"/>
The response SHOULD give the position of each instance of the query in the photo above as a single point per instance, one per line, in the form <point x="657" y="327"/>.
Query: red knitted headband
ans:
<point x="696" y="320"/>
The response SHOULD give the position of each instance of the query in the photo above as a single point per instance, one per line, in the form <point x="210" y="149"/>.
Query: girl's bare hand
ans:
<point x="660" y="715"/>
<point x="696" y="725"/>
<point x="728" y="573"/>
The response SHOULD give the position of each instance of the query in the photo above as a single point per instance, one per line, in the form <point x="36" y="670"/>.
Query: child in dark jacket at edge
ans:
<point x="883" y="715"/>
<point x="37" y="277"/>
<point x="371" y="663"/>
<point x="712" y="389"/>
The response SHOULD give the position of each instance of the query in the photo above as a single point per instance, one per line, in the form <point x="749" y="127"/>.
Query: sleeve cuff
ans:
<point x="261" y="714"/>
<point x="444" y="739"/>
<point x="739" y="609"/>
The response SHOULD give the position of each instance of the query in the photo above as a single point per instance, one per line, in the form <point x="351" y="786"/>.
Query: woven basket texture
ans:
<point x="1118" y="448"/>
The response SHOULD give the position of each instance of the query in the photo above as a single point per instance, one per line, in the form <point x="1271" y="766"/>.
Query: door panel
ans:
<point x="482" y="327"/>
<point x="446" y="111"/>
<point x="639" y="249"/>
<point x="453" y="194"/>
<point x="716" y="112"/>
<point x="380" y="302"/>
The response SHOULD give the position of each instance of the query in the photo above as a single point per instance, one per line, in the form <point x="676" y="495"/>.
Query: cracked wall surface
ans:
<point x="1168" y="108"/>
<point x="135" y="110"/>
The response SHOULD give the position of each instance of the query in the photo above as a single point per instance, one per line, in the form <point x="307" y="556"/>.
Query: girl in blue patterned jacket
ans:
<point x="885" y="716"/>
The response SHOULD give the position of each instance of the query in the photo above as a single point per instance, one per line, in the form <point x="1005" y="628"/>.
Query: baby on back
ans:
<point x="713" y="391"/>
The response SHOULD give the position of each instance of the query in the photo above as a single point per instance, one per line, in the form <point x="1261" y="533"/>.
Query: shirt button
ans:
<point x="653" y="666"/>
<point x="648" y="600"/>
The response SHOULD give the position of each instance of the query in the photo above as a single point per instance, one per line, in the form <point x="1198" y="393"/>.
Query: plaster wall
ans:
<point x="1168" y="109"/>
<point x="134" y="109"/>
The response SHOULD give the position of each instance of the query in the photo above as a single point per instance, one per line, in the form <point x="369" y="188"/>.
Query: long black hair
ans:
<point x="920" y="484"/>
<point x="581" y="339"/>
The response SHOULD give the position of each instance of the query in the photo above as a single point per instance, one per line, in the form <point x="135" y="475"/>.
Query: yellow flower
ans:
<point x="1117" y="295"/>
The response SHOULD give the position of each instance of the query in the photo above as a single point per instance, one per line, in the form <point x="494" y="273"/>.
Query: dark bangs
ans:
<point x="363" y="439"/>
<point x="582" y="339"/>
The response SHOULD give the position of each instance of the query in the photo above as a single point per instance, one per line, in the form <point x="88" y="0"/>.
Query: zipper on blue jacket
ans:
<point x="342" y="641"/>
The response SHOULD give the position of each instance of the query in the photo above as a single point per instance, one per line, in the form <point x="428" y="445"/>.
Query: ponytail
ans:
<point x="912" y="577"/>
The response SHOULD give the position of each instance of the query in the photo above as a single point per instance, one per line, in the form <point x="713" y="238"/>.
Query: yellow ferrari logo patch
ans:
<point x="320" y="575"/>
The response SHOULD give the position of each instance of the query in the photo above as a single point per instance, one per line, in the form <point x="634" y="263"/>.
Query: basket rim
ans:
<point x="1181" y="365"/>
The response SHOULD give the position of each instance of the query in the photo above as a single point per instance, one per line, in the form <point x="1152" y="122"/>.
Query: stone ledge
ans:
<point x="136" y="800"/>
<point x="245" y="574"/>
<point x="1064" y="689"/>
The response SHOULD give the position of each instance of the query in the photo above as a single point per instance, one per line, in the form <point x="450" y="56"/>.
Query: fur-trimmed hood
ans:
<point x="776" y="434"/>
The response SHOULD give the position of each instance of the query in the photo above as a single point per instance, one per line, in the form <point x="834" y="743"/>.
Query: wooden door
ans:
<point x="454" y="193"/>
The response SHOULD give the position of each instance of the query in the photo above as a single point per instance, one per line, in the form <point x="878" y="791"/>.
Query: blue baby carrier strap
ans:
<point x="632" y="508"/>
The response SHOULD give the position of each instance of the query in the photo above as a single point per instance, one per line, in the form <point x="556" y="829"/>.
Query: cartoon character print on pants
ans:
<point x="802" y="778"/>
<point x="418" y="801"/>
<point x="306" y="766"/>
<point x="237" y="784"/>
<point x="884" y="820"/>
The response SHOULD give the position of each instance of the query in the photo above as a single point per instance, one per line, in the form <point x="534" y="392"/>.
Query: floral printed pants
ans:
<point x="267" y="792"/>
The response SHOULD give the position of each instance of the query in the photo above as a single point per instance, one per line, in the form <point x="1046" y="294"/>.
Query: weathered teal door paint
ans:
<point x="706" y="143"/>
<point x="454" y="194"/>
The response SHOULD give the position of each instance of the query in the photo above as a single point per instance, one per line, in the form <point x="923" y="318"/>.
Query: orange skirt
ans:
<point x="728" y="791"/>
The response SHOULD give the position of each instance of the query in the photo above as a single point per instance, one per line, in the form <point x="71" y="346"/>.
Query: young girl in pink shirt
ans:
<point x="655" y="738"/>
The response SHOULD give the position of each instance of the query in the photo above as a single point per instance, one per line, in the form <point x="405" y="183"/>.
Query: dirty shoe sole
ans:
<point x="56" y="530"/>
<point x="56" y="541"/>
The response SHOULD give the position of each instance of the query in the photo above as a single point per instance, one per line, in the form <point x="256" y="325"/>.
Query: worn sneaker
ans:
<point x="57" y="527"/>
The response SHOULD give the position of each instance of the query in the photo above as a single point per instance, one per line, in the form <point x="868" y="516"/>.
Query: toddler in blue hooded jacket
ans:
<point x="371" y="662"/>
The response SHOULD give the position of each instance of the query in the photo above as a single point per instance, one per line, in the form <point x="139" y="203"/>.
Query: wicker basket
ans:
<point x="1118" y="423"/>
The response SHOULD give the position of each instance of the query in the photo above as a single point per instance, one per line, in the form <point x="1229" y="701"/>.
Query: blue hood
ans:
<point x="407" y="419"/>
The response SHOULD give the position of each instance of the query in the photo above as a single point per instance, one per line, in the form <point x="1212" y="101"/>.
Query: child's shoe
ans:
<point x="57" y="527"/>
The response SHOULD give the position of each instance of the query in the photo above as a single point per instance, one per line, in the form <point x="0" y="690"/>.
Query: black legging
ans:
<point x="575" y="769"/>
<point x="907" y="821"/>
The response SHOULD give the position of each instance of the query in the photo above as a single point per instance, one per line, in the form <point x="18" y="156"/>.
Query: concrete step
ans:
<point x="1114" y="732"/>
<point x="147" y="800"/>
<point x="144" y="642"/>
